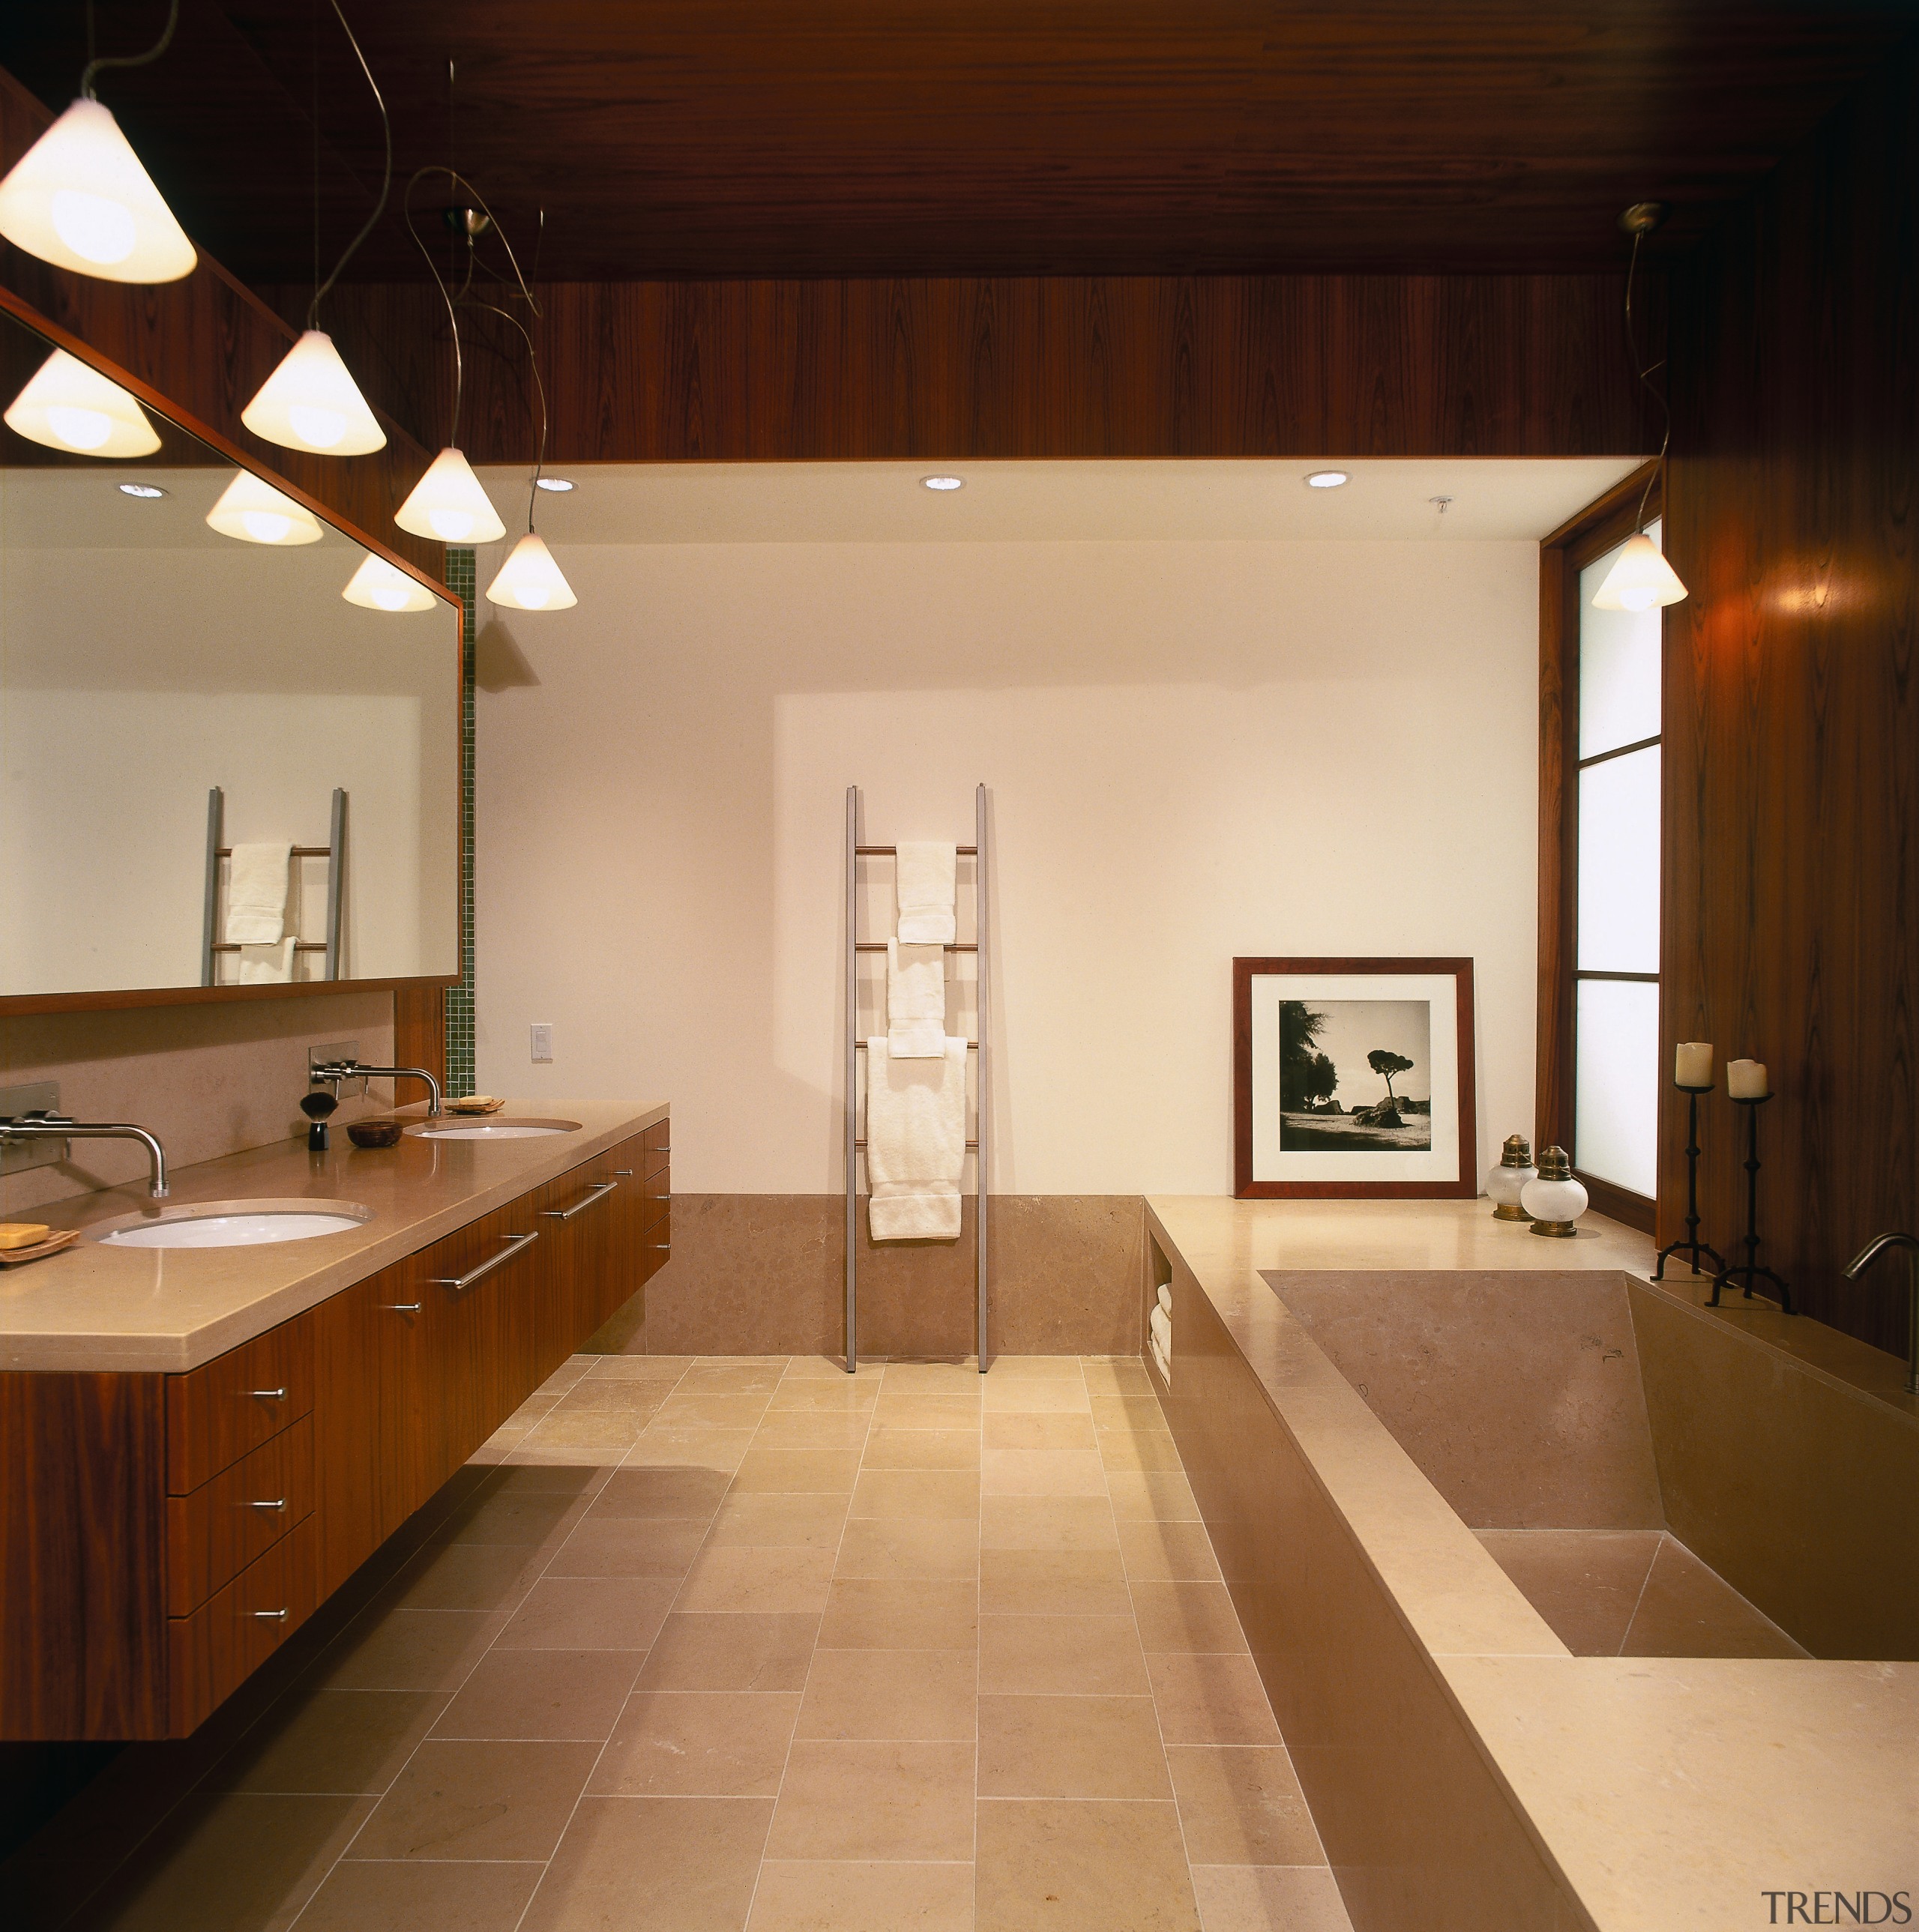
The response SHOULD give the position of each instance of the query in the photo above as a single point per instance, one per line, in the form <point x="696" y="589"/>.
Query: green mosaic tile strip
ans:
<point x="460" y="580"/>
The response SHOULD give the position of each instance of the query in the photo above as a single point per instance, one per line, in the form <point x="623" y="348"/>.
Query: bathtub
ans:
<point x="1579" y="1604"/>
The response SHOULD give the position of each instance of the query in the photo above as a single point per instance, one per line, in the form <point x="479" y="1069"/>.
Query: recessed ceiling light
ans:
<point x="942" y="482"/>
<point x="1326" y="479"/>
<point x="559" y="485"/>
<point x="141" y="490"/>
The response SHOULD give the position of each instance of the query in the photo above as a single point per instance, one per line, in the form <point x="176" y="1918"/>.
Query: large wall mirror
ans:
<point x="196" y="672"/>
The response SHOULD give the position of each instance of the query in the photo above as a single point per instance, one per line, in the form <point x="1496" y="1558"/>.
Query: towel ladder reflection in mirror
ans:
<point x="334" y="852"/>
<point x="980" y="1048"/>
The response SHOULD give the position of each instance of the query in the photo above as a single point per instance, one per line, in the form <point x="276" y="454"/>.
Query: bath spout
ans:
<point x="1864" y="1259"/>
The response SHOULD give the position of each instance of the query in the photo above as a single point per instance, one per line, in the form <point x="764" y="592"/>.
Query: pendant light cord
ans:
<point x="1645" y="373"/>
<point x="95" y="62"/>
<point x="385" y="179"/>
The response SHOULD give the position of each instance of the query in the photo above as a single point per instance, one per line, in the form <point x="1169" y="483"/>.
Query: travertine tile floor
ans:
<point x="747" y="1646"/>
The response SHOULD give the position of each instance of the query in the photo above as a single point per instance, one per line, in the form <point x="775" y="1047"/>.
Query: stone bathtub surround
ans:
<point x="1465" y="1768"/>
<point x="94" y="1307"/>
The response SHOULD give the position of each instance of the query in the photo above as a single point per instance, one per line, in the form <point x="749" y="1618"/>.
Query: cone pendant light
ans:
<point x="529" y="580"/>
<point x="377" y="585"/>
<point x="79" y="198"/>
<point x="68" y="406"/>
<point x="1640" y="578"/>
<point x="251" y="509"/>
<point x="309" y="402"/>
<point x="447" y="504"/>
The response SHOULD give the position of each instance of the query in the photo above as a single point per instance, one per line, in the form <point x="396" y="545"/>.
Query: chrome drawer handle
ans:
<point x="280" y="1505"/>
<point x="403" y="1307"/>
<point x="663" y="1247"/>
<point x="601" y="1190"/>
<point x="269" y="1395"/>
<point x="459" y="1284"/>
<point x="625" y="1173"/>
<point x="271" y="1616"/>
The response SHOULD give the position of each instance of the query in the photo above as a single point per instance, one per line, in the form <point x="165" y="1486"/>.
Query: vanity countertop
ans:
<point x="94" y="1307"/>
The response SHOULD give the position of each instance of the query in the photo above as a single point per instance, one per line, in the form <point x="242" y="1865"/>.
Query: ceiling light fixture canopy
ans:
<point x="942" y="483"/>
<point x="447" y="504"/>
<point x="66" y="405"/>
<point x="146" y="492"/>
<point x="1326" y="479"/>
<point x="251" y="509"/>
<point x="311" y="401"/>
<point x="559" y="485"/>
<point x="1640" y="578"/>
<point x="377" y="585"/>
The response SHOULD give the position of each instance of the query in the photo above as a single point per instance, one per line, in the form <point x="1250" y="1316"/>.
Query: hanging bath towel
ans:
<point x="925" y="893"/>
<point x="915" y="1001"/>
<point x="256" y="894"/>
<point x="916" y="1143"/>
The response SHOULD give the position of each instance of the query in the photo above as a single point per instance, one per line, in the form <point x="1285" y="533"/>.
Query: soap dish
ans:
<point x="475" y="1103"/>
<point x="52" y="1245"/>
<point x="374" y="1133"/>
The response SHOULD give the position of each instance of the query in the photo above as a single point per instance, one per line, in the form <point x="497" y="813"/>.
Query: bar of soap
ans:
<point x="22" y="1233"/>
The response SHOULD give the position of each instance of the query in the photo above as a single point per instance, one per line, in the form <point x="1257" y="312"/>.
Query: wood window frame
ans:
<point x="1562" y="556"/>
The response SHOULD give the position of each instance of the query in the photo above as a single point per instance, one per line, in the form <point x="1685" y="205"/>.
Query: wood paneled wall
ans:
<point x="1791" y="861"/>
<point x="206" y="343"/>
<point x="971" y="368"/>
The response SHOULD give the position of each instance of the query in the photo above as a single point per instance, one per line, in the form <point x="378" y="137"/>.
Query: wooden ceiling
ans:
<point x="690" y="139"/>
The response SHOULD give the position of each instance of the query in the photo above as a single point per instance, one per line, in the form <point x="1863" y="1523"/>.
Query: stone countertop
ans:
<point x="97" y="1307"/>
<point x="1668" y="1791"/>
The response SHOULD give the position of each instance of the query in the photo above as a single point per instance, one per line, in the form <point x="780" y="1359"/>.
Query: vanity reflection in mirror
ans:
<point x="196" y="672"/>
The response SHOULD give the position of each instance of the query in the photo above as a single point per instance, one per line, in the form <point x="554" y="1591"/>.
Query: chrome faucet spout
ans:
<point x="1878" y="1245"/>
<point x="42" y="1125"/>
<point x="336" y="1070"/>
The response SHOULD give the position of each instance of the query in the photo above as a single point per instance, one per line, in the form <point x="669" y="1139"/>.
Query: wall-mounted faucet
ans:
<point x="330" y="1072"/>
<point x="42" y="1124"/>
<point x="1864" y="1259"/>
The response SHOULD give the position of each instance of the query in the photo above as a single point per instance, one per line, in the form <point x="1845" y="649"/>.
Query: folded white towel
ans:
<point x="1161" y="1324"/>
<point x="1162" y="1361"/>
<point x="1166" y="1299"/>
<point x="264" y="965"/>
<point x="916" y="1143"/>
<point x="924" y="891"/>
<point x="915" y="1001"/>
<point x="256" y="894"/>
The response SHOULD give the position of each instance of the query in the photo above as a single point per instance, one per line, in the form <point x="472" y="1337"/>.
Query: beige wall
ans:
<point x="208" y="1080"/>
<point x="1195" y="749"/>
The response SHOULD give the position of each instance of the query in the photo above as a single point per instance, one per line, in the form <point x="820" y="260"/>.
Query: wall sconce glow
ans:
<point x="377" y="585"/>
<point x="251" y="509"/>
<point x="145" y="492"/>
<point x="559" y="485"/>
<point x="529" y="580"/>
<point x="447" y="504"/>
<point x="1639" y="579"/>
<point x="65" y="405"/>
<point x="79" y="198"/>
<point x="1327" y="479"/>
<point x="942" y="482"/>
<point x="310" y="402"/>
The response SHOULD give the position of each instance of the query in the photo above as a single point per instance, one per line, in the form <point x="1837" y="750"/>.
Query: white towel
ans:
<point x="263" y="965"/>
<point x="1161" y="1324"/>
<point x="924" y="891"/>
<point x="1166" y="1299"/>
<point x="915" y="1001"/>
<point x="1162" y="1363"/>
<point x="256" y="894"/>
<point x="916" y="1143"/>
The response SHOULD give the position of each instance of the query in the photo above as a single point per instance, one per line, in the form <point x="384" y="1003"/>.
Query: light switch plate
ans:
<point x="16" y="1157"/>
<point x="542" y="1041"/>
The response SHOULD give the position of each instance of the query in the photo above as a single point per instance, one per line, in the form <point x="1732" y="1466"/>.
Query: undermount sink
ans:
<point x="230" y="1224"/>
<point x="491" y="1129"/>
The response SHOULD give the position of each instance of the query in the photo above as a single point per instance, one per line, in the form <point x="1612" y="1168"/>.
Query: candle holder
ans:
<point x="1750" y="1268"/>
<point x="1692" y="1245"/>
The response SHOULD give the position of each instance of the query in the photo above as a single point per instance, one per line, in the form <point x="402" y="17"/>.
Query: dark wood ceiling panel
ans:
<point x="677" y="139"/>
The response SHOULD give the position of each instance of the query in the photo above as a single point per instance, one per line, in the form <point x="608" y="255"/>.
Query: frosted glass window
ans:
<point x="1619" y="653"/>
<point x="1617" y="1082"/>
<point x="1619" y="864"/>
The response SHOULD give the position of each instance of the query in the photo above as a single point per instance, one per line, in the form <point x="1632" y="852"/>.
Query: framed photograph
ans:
<point x="1353" y="1080"/>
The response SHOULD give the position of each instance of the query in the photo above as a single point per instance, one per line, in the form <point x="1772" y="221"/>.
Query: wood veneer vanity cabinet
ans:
<point x="161" y="1535"/>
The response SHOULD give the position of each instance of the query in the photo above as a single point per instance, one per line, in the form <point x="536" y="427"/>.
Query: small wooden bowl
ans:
<point x="374" y="1133"/>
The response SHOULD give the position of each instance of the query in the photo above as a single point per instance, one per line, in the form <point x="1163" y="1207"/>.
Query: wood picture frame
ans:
<point x="1325" y="1152"/>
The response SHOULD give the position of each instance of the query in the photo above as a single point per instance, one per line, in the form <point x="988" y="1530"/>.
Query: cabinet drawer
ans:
<point x="656" y="1243"/>
<point x="216" y="1413"/>
<point x="211" y="1653"/>
<point x="657" y="1141"/>
<point x="658" y="1185"/>
<point x="214" y="1534"/>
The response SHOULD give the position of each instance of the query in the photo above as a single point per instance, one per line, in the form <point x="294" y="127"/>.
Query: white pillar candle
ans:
<point x="1746" y="1079"/>
<point x="1693" y="1063"/>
